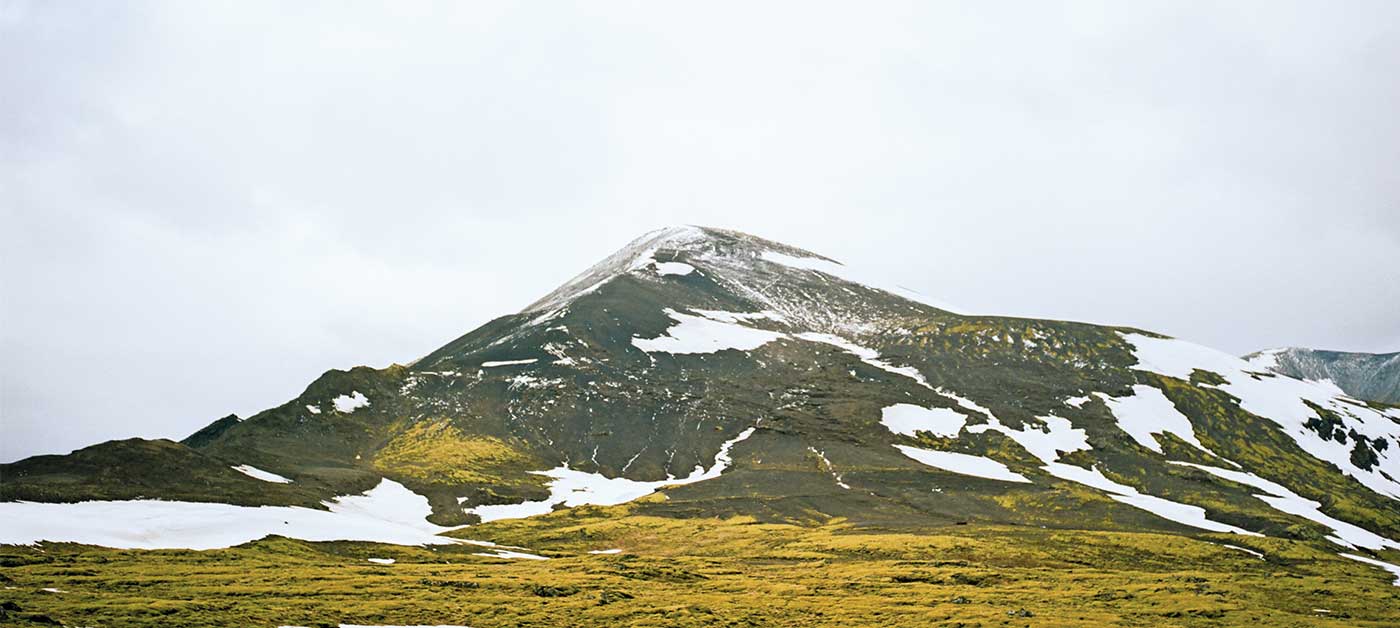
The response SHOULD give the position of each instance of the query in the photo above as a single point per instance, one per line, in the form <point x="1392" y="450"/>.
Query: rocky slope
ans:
<point x="1370" y="376"/>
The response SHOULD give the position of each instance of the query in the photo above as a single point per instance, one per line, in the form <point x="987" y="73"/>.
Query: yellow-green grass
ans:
<point x="438" y="452"/>
<point x="710" y="572"/>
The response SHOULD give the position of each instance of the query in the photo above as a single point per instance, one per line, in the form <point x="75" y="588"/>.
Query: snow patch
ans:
<point x="706" y="334"/>
<point x="1060" y="435"/>
<point x="841" y="482"/>
<point x="1282" y="400"/>
<point x="1149" y="412"/>
<point x="866" y="355"/>
<point x="1266" y="360"/>
<point x="1246" y="550"/>
<point x="606" y="551"/>
<point x="908" y="419"/>
<point x="673" y="268"/>
<point x="350" y="403"/>
<point x="964" y="464"/>
<point x="1185" y="514"/>
<point x="1282" y="499"/>
<point x="266" y="476"/>
<point x="501" y="553"/>
<point x="965" y="402"/>
<point x="576" y="488"/>
<point x="381" y="561"/>
<point x="388" y="513"/>
<point x="313" y="409"/>
<point x="1394" y="570"/>
<point x="508" y="362"/>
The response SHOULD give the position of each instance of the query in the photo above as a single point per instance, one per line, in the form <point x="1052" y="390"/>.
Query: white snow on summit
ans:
<point x="637" y="254"/>
<point x="674" y="268"/>
<point x="733" y="263"/>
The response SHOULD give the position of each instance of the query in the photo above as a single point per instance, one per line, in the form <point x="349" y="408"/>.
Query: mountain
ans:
<point x="835" y="398"/>
<point x="1370" y="376"/>
<point x="702" y="375"/>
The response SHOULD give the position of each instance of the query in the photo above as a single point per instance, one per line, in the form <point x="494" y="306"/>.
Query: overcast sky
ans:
<point x="206" y="205"/>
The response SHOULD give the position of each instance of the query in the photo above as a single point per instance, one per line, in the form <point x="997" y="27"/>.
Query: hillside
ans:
<point x="701" y="377"/>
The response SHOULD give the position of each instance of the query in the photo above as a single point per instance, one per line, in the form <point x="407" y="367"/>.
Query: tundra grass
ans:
<point x="708" y="572"/>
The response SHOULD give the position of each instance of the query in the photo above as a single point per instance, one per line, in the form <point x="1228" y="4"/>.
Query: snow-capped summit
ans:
<point x="796" y="285"/>
<point x="638" y="254"/>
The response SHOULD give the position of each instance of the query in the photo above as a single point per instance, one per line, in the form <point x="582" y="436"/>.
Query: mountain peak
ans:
<point x="668" y="245"/>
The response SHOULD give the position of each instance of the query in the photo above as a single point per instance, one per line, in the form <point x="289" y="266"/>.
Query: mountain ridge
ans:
<point x="1369" y="376"/>
<point x="817" y="397"/>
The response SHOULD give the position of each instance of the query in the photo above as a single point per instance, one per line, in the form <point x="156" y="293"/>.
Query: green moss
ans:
<point x="437" y="452"/>
<point x="1200" y="377"/>
<point x="733" y="571"/>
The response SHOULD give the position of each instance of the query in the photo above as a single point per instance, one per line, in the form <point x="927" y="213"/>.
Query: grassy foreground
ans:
<point x="708" y="572"/>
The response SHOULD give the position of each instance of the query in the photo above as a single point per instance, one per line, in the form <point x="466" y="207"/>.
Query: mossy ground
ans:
<point x="439" y="452"/>
<point x="711" y="572"/>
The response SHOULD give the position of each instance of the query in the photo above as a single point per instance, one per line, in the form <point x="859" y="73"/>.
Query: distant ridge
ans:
<point x="1369" y="376"/>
